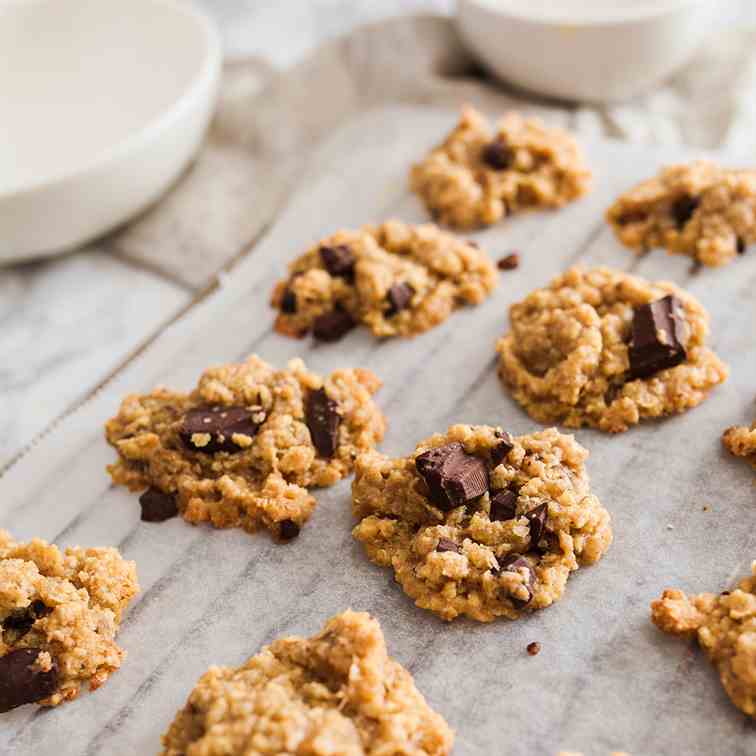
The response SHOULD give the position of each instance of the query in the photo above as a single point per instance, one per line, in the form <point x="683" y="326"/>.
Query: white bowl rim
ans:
<point x="601" y="18"/>
<point x="207" y="75"/>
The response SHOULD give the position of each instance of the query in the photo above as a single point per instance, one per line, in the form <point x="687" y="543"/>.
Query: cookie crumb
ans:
<point x="510" y="262"/>
<point x="534" y="648"/>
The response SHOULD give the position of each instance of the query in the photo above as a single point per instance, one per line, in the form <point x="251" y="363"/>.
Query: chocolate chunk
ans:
<point x="445" y="544"/>
<point x="288" y="529"/>
<point x="20" y="682"/>
<point x="497" y="155"/>
<point x="453" y="476"/>
<point x="220" y="423"/>
<point x="503" y="505"/>
<point x="157" y="506"/>
<point x="683" y="209"/>
<point x="740" y="245"/>
<point x="22" y="620"/>
<point x="399" y="296"/>
<point x="537" y="518"/>
<point x="656" y="342"/>
<point x="323" y="419"/>
<point x="534" y="648"/>
<point x="289" y="302"/>
<point x="338" y="260"/>
<point x="502" y="448"/>
<point x="510" y="262"/>
<point x="632" y="217"/>
<point x="331" y="326"/>
<point x="516" y="563"/>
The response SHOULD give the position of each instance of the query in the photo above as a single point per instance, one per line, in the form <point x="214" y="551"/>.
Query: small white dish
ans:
<point x="102" y="105"/>
<point x="586" y="50"/>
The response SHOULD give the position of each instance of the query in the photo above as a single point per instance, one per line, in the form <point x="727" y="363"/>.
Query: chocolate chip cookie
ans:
<point x="242" y="449"/>
<point x="606" y="349"/>
<point x="59" y="615"/>
<point x="740" y="440"/>
<point x="725" y="627"/>
<point x="481" y="523"/>
<point x="479" y="174"/>
<point x="338" y="692"/>
<point x="396" y="278"/>
<point x="699" y="209"/>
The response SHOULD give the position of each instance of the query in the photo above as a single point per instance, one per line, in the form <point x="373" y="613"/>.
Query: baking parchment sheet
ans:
<point x="605" y="679"/>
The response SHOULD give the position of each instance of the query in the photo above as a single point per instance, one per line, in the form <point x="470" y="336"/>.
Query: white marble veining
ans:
<point x="605" y="678"/>
<point x="64" y="325"/>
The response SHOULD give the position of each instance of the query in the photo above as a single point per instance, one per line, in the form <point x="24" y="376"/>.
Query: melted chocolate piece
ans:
<point x="445" y="544"/>
<point x="516" y="563"/>
<point x="683" y="209"/>
<point x="157" y="506"/>
<point x="323" y="419"/>
<point x="289" y="302"/>
<point x="332" y="326"/>
<point x="20" y="682"/>
<point x="502" y="448"/>
<point x="537" y="518"/>
<point x="656" y="342"/>
<point x="399" y="296"/>
<point x="288" y="529"/>
<point x="338" y="260"/>
<point x="497" y="155"/>
<point x="503" y="505"/>
<point x="220" y="423"/>
<point x="453" y="477"/>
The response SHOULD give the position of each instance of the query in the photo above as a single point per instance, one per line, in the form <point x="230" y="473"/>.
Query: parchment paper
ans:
<point x="605" y="679"/>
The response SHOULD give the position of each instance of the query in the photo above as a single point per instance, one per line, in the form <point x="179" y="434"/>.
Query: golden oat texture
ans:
<point x="479" y="174"/>
<point x="725" y="627"/>
<point x="68" y="606"/>
<point x="697" y="209"/>
<point x="396" y="278"/>
<point x="337" y="693"/>
<point x="504" y="553"/>
<point x="565" y="358"/>
<point x="260" y="474"/>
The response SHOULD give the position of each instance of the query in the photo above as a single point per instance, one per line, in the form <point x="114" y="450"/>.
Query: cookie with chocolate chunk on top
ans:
<point x="59" y="615"/>
<point x="607" y="349"/>
<point x="480" y="523"/>
<point x="482" y="173"/>
<point x="397" y="279"/>
<point x="244" y="448"/>
<point x="697" y="209"/>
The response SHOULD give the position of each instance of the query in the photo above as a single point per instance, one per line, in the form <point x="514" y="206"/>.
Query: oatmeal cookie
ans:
<point x="477" y="522"/>
<point x="606" y="349"/>
<point x="725" y="627"/>
<point x="477" y="175"/>
<point x="242" y="449"/>
<point x="698" y="209"/>
<point x="337" y="693"/>
<point x="741" y="441"/>
<point x="59" y="615"/>
<point x="396" y="278"/>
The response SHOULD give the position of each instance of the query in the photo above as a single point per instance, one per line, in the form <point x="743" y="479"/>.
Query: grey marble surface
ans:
<point x="605" y="679"/>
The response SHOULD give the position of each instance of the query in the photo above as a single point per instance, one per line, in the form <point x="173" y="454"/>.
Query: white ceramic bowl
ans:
<point x="102" y="104"/>
<point x="587" y="50"/>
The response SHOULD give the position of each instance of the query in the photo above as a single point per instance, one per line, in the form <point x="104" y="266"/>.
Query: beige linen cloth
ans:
<point x="268" y="123"/>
